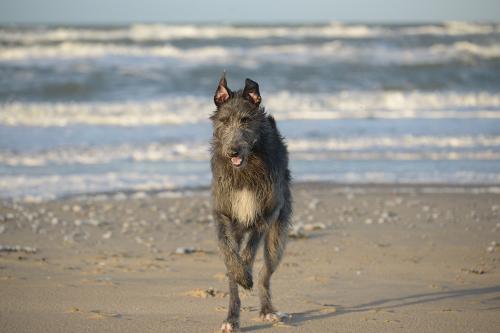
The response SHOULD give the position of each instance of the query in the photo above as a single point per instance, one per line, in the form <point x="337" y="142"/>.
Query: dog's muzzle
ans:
<point x="236" y="158"/>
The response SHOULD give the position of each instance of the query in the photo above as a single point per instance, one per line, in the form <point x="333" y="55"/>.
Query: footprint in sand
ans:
<point x="95" y="314"/>
<point x="100" y="315"/>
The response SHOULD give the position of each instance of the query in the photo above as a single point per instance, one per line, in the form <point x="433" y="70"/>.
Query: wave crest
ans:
<point x="407" y="147"/>
<point x="285" y="105"/>
<point x="165" y="32"/>
<point x="297" y="53"/>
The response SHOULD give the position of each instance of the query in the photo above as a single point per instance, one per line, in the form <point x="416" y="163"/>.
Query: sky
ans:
<point x="233" y="11"/>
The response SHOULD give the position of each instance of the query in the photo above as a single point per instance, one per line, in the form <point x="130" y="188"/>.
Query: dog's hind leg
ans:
<point x="274" y="246"/>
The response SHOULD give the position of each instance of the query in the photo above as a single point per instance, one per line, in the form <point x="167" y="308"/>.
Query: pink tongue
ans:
<point x="236" y="160"/>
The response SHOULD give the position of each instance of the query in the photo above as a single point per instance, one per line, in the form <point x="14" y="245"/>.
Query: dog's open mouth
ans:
<point x="237" y="161"/>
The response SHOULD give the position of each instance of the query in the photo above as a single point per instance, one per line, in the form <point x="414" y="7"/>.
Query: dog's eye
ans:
<point x="245" y="119"/>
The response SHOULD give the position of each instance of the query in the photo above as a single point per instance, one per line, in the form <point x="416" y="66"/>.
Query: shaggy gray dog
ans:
<point x="250" y="192"/>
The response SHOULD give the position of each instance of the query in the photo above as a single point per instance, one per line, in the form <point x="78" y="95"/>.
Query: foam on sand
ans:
<point x="55" y="186"/>
<point x="27" y="188"/>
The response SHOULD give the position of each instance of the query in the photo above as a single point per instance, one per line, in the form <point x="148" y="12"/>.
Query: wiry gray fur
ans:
<point x="251" y="201"/>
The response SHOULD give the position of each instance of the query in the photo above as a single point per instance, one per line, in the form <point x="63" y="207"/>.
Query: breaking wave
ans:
<point x="164" y="32"/>
<point x="285" y="105"/>
<point x="296" y="53"/>
<point x="407" y="147"/>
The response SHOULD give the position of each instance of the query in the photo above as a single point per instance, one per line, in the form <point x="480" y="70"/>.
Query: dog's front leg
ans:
<point x="252" y="245"/>
<point x="232" y="322"/>
<point x="250" y="249"/>
<point x="229" y="244"/>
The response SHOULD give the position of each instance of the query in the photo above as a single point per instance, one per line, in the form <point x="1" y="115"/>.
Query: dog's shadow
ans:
<point x="299" y="318"/>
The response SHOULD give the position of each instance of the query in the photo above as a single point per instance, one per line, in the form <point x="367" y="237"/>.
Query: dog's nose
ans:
<point x="234" y="151"/>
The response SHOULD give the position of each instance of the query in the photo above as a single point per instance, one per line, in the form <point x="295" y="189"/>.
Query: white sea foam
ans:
<point x="406" y="141"/>
<point x="74" y="50"/>
<point x="175" y="110"/>
<point x="406" y="147"/>
<point x="486" y="155"/>
<point x="54" y="186"/>
<point x="459" y="177"/>
<point x="463" y="48"/>
<point x="332" y="51"/>
<point x="284" y="105"/>
<point x="452" y="28"/>
<point x="387" y="105"/>
<point x="163" y="32"/>
<point x="105" y="154"/>
<point x="29" y="186"/>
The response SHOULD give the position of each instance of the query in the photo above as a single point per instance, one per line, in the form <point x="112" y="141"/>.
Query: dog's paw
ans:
<point x="274" y="317"/>
<point x="228" y="327"/>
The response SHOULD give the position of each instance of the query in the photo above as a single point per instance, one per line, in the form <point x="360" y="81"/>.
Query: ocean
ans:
<point x="89" y="109"/>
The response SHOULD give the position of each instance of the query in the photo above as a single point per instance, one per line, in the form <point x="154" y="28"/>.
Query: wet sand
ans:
<point x="364" y="259"/>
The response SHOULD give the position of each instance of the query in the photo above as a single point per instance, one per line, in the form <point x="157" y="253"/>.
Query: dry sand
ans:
<point x="381" y="259"/>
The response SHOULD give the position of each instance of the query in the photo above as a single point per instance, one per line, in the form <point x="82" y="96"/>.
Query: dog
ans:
<point x="250" y="193"/>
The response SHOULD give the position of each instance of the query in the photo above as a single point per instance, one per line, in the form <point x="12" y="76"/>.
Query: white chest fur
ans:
<point x="244" y="206"/>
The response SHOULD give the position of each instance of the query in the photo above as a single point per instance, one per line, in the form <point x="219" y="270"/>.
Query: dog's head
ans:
<point x="237" y="121"/>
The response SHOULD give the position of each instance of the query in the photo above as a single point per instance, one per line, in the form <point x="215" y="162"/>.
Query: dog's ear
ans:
<point x="223" y="93"/>
<point x="251" y="92"/>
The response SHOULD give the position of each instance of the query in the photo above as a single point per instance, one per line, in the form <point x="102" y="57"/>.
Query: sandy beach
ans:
<point x="395" y="258"/>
